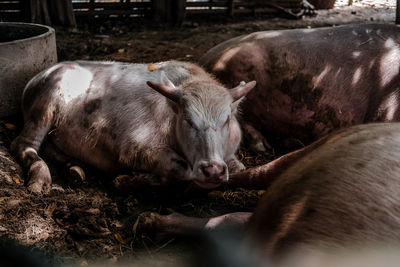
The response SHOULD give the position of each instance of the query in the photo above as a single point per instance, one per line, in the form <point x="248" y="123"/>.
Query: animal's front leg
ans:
<point x="163" y="227"/>
<point x="234" y="165"/>
<point x="158" y="168"/>
<point x="169" y="164"/>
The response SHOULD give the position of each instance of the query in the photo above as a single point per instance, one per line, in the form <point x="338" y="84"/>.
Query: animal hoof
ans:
<point x="256" y="141"/>
<point x="148" y="224"/>
<point x="235" y="166"/>
<point x="39" y="178"/>
<point x="261" y="145"/>
<point x="35" y="188"/>
<point x="77" y="174"/>
<point x="258" y="147"/>
<point x="155" y="226"/>
<point x="39" y="188"/>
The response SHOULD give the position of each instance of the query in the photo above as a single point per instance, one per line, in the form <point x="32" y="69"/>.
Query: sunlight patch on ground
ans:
<point x="368" y="3"/>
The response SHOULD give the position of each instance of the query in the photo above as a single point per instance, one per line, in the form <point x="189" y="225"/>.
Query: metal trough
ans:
<point x="25" y="50"/>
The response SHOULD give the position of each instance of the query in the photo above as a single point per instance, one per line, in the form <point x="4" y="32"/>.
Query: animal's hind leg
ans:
<point x="25" y="148"/>
<point x="76" y="172"/>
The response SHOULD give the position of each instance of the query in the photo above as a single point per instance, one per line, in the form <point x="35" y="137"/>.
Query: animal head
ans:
<point x="207" y="131"/>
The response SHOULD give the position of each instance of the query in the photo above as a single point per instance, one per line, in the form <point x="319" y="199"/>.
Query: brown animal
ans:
<point x="181" y="124"/>
<point x="343" y="191"/>
<point x="313" y="81"/>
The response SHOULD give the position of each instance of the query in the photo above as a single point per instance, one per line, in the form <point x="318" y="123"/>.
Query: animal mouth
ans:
<point x="207" y="185"/>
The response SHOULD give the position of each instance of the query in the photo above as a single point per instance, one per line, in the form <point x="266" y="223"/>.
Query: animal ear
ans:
<point x="235" y="104"/>
<point x="239" y="92"/>
<point x="242" y="89"/>
<point x="166" y="88"/>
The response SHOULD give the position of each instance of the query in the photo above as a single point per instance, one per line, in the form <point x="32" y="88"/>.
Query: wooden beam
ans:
<point x="10" y="6"/>
<point x="62" y="13"/>
<point x="231" y="8"/>
<point x="398" y="12"/>
<point x="112" y="5"/>
<point x="91" y="5"/>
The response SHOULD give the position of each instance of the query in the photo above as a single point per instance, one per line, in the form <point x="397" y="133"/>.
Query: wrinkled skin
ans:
<point x="313" y="81"/>
<point x="181" y="124"/>
<point x="341" y="192"/>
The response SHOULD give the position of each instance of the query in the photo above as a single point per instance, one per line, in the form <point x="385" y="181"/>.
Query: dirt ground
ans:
<point x="82" y="223"/>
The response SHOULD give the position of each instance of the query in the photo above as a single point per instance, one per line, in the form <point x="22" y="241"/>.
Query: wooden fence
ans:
<point x="12" y="11"/>
<point x="94" y="8"/>
<point x="17" y="11"/>
<point x="239" y="7"/>
<point x="148" y="7"/>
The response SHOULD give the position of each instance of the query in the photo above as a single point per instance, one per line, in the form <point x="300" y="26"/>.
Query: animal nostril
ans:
<point x="207" y="170"/>
<point x="223" y="171"/>
<point x="214" y="170"/>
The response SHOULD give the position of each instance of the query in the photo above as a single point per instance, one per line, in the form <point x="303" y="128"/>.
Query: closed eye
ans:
<point x="190" y="123"/>
<point x="227" y="121"/>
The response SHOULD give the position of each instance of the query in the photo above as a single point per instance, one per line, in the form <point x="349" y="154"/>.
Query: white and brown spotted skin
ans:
<point x="181" y="124"/>
<point x="313" y="81"/>
<point x="344" y="192"/>
<point x="341" y="192"/>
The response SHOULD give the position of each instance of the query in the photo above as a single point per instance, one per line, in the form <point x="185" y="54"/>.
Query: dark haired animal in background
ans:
<point x="312" y="81"/>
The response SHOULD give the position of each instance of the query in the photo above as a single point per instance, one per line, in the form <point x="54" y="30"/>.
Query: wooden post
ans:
<point x="169" y="11"/>
<point x="91" y="8"/>
<point x="231" y="8"/>
<point x="62" y="13"/>
<point x="26" y="5"/>
<point x="58" y="12"/>
<point x="39" y="12"/>
<point x="180" y="12"/>
<point x="158" y="10"/>
<point x="398" y="12"/>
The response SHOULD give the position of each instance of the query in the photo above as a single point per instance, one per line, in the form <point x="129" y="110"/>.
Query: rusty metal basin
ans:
<point x="25" y="50"/>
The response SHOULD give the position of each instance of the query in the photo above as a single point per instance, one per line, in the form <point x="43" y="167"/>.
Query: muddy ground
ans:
<point x="84" y="222"/>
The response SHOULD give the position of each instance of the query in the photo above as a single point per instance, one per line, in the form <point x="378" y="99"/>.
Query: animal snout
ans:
<point x="214" y="171"/>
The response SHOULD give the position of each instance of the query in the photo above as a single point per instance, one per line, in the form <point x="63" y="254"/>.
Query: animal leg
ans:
<point x="261" y="177"/>
<point x="255" y="139"/>
<point x="25" y="148"/>
<point x="177" y="225"/>
<point x="234" y="165"/>
<point x="76" y="172"/>
<point x="169" y="164"/>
